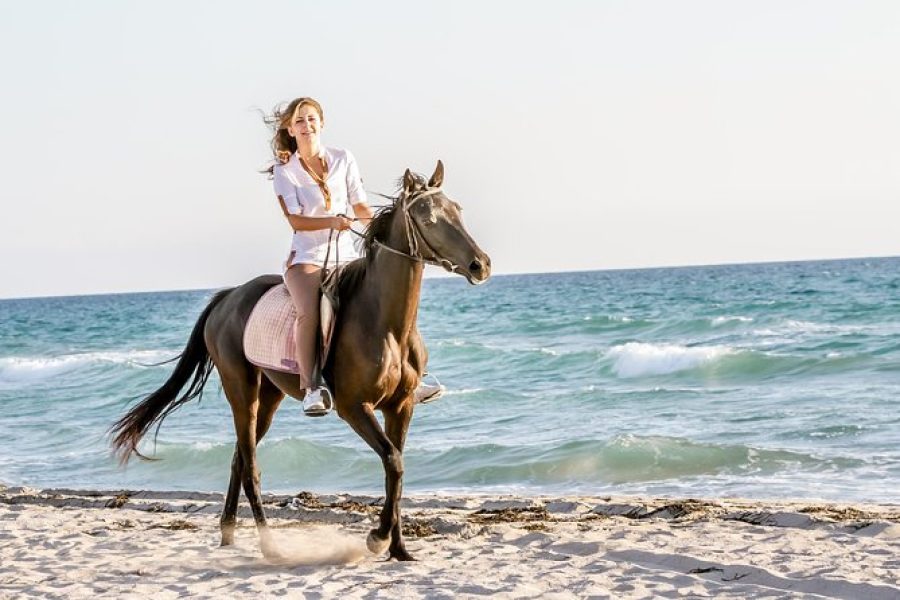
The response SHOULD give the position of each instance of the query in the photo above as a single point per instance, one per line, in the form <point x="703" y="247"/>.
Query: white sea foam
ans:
<point x="463" y="391"/>
<point x="612" y="318"/>
<point x="21" y="369"/>
<point x="452" y="342"/>
<point x="636" y="359"/>
<point x="791" y="330"/>
<point x="810" y="327"/>
<point x="723" y="320"/>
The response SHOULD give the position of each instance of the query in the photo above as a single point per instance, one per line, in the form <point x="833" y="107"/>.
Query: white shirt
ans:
<point x="299" y="194"/>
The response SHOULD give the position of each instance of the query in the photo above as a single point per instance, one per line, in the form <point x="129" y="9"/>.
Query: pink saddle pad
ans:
<point x="269" y="335"/>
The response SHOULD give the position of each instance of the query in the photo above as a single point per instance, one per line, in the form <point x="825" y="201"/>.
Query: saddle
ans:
<point x="269" y="335"/>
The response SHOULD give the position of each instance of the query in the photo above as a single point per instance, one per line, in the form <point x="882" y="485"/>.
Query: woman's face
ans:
<point x="305" y="125"/>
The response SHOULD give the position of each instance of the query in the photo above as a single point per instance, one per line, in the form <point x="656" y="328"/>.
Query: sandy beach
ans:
<point x="78" y="544"/>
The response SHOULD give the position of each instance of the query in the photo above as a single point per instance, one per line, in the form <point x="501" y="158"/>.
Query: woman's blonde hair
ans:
<point x="283" y="145"/>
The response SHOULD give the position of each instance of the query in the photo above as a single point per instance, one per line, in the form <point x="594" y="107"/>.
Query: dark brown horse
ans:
<point x="376" y="361"/>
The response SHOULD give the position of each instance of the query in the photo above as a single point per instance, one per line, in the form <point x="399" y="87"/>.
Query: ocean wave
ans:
<point x="790" y="328"/>
<point x="724" y="320"/>
<point x="463" y="392"/>
<point x="569" y="323"/>
<point x="497" y="348"/>
<point x="25" y="369"/>
<point x="830" y="431"/>
<point x="637" y="359"/>
<point x="608" y="319"/>
<point x="812" y="327"/>
<point x="609" y="323"/>
<point x="720" y="362"/>
<point x="620" y="460"/>
<point x="483" y="352"/>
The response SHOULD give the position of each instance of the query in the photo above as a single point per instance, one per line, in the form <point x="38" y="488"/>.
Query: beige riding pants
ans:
<point x="302" y="281"/>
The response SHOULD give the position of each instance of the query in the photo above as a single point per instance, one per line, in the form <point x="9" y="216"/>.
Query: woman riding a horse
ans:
<point x="316" y="186"/>
<point x="376" y="358"/>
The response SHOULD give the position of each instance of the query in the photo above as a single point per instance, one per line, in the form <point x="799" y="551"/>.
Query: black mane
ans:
<point x="354" y="272"/>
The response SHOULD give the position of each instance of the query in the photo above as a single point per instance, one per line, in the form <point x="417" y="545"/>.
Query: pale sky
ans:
<point x="577" y="135"/>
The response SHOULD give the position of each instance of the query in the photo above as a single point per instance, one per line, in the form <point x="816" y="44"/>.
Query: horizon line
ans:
<point x="509" y="274"/>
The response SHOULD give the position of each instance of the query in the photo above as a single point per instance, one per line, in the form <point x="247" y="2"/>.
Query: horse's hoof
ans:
<point x="375" y="544"/>
<point x="227" y="536"/>
<point x="401" y="555"/>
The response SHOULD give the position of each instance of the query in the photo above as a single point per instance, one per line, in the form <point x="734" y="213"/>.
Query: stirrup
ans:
<point x="426" y="393"/>
<point x="327" y="401"/>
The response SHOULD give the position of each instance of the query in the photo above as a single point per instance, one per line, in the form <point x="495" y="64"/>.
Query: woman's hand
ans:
<point x="340" y="223"/>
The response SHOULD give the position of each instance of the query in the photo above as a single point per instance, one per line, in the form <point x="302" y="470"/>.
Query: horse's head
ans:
<point x="434" y="228"/>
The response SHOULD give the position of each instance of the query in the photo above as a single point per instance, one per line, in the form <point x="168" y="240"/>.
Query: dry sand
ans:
<point x="77" y="544"/>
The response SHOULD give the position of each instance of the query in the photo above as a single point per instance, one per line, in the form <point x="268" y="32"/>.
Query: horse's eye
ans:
<point x="429" y="215"/>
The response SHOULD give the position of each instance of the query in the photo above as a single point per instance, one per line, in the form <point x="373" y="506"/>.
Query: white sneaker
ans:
<point x="426" y="393"/>
<point x="314" y="403"/>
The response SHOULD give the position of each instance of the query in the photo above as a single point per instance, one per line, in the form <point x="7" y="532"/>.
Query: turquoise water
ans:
<point x="771" y="380"/>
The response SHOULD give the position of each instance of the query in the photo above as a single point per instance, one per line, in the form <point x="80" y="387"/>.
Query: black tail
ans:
<point x="194" y="361"/>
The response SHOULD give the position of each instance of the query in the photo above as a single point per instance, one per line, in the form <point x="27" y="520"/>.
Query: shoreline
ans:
<point x="126" y="543"/>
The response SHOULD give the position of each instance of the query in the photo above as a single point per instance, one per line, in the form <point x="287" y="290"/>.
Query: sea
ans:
<point x="761" y="381"/>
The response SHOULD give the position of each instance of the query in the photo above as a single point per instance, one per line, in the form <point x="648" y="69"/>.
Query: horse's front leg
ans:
<point x="362" y="419"/>
<point x="396" y="422"/>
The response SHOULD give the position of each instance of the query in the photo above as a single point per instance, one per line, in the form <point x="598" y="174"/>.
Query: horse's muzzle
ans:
<point x="479" y="270"/>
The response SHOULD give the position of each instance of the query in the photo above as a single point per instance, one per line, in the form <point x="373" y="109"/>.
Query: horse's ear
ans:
<point x="409" y="181"/>
<point x="438" y="178"/>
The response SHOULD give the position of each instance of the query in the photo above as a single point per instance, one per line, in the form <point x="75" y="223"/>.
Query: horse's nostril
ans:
<point x="475" y="266"/>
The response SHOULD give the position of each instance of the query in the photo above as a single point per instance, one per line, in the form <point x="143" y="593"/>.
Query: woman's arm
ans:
<point x="293" y="210"/>
<point x="356" y="193"/>
<point x="362" y="212"/>
<point x="303" y="223"/>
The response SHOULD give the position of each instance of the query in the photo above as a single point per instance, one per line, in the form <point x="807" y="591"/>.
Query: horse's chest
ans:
<point x="398" y="376"/>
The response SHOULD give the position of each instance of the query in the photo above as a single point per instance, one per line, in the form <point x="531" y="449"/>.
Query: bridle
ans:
<point x="413" y="237"/>
<point x="414" y="234"/>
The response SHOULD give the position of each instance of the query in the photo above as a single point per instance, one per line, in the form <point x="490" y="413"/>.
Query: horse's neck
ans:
<point x="398" y="281"/>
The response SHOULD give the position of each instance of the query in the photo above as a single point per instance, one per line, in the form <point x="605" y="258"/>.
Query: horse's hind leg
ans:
<point x="228" y="522"/>
<point x="269" y="399"/>
<point x="242" y="393"/>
